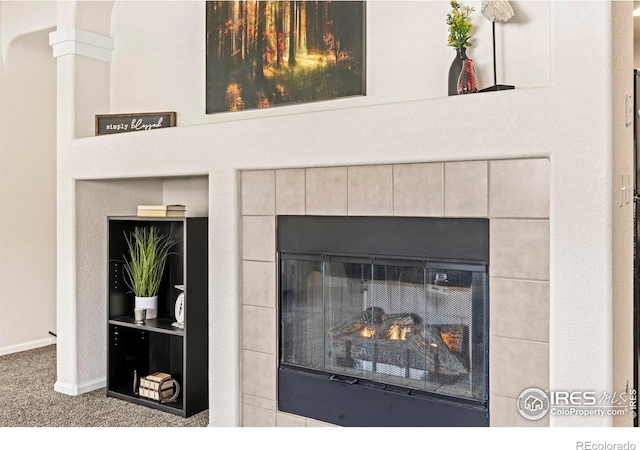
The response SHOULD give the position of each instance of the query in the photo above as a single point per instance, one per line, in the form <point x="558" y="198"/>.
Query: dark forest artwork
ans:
<point x="266" y="53"/>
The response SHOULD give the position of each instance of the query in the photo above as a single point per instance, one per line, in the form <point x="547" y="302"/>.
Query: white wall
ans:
<point x="193" y="192"/>
<point x="2" y="40"/>
<point x="568" y="121"/>
<point x="622" y="60"/>
<point x="20" y="17"/>
<point x="27" y="177"/>
<point x="407" y="56"/>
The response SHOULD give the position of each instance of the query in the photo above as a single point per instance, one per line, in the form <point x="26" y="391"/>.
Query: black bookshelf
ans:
<point x="156" y="345"/>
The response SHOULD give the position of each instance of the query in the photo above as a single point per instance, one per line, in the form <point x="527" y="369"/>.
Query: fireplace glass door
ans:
<point x="412" y="325"/>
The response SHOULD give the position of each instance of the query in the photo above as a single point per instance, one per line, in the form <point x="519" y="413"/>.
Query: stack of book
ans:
<point x="150" y="386"/>
<point x="161" y="210"/>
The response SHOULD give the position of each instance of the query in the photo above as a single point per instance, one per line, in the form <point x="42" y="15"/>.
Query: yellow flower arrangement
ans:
<point x="459" y="25"/>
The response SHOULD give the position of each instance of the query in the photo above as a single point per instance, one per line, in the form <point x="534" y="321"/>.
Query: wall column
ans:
<point x="83" y="51"/>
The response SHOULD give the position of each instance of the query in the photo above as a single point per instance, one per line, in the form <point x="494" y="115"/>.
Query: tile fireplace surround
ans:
<point x="513" y="194"/>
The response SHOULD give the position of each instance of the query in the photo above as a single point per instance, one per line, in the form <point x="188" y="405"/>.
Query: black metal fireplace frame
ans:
<point x="462" y="244"/>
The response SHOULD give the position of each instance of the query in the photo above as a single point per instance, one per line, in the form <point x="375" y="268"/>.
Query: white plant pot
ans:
<point x="150" y="304"/>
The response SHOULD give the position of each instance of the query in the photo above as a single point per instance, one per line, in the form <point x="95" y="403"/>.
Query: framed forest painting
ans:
<point x="262" y="54"/>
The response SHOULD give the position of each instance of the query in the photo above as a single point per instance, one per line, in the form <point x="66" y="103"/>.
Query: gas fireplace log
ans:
<point x="428" y="342"/>
<point x="368" y="318"/>
<point x="400" y="319"/>
<point x="453" y="336"/>
<point x="393" y="325"/>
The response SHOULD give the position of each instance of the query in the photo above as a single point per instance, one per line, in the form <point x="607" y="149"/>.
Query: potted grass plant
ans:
<point x="148" y="250"/>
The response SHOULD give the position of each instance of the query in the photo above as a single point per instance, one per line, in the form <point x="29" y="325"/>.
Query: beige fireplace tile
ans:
<point x="290" y="420"/>
<point x="370" y="190"/>
<point x="290" y="192"/>
<point x="519" y="249"/>
<point x="516" y="365"/>
<point x="466" y="189"/>
<point x="417" y="189"/>
<point x="519" y="188"/>
<point x="259" y="238"/>
<point x="520" y="309"/>
<point x="259" y="374"/>
<point x="259" y="329"/>
<point x="259" y="402"/>
<point x="257" y="417"/>
<point x="317" y="423"/>
<point x="258" y="192"/>
<point x="503" y="412"/>
<point x="326" y="191"/>
<point x="259" y="283"/>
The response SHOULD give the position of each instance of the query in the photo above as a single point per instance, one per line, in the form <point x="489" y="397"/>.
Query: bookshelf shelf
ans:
<point x="159" y="325"/>
<point x="124" y="393"/>
<point x="156" y="345"/>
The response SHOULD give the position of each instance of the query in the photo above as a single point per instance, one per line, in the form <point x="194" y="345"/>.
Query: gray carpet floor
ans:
<point x="28" y="400"/>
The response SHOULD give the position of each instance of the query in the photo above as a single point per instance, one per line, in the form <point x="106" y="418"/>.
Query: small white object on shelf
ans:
<point x="179" y="308"/>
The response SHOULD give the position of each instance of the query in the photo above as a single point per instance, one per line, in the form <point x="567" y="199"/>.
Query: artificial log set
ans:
<point x="402" y="341"/>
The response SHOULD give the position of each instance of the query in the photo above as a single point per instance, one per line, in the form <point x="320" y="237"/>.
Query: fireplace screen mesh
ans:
<point x="406" y="324"/>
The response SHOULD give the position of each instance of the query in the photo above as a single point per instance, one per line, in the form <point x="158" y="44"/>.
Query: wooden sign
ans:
<point x="124" y="123"/>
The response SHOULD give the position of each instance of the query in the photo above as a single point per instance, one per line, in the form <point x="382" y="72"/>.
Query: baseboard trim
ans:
<point x="79" y="389"/>
<point x="27" y="346"/>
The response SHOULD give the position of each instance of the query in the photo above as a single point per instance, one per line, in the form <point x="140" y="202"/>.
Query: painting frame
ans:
<point x="263" y="54"/>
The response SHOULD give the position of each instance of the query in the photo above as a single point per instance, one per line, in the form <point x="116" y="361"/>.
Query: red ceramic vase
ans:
<point x="467" y="78"/>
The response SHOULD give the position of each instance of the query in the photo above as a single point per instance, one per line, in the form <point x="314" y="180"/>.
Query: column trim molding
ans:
<point x="74" y="41"/>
